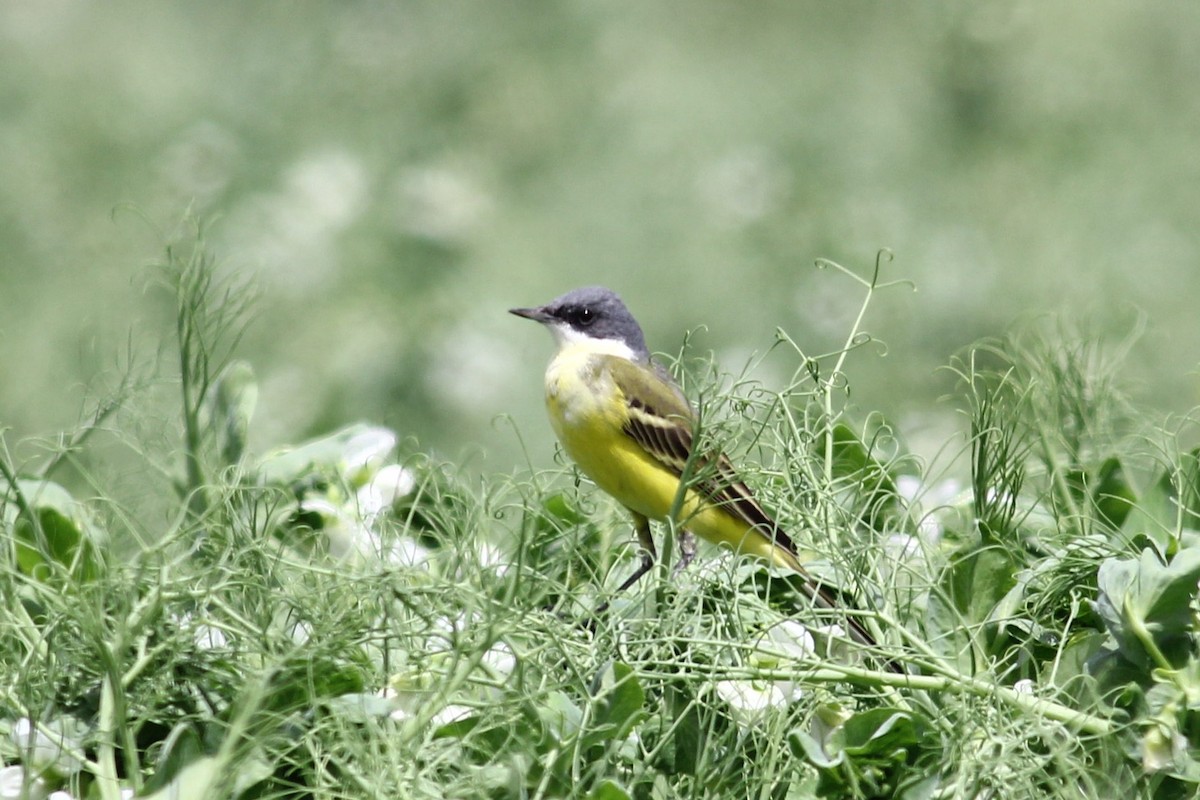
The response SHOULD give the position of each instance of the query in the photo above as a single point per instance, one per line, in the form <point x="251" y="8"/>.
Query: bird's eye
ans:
<point x="585" y="316"/>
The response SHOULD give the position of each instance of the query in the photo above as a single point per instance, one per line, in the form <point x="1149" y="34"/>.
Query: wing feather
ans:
<point x="661" y="422"/>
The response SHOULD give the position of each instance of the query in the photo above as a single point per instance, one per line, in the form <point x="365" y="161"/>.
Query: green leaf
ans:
<point x="979" y="580"/>
<point x="617" y="704"/>
<point x="1155" y="517"/>
<point x="55" y="529"/>
<point x="870" y="750"/>
<point x="182" y="747"/>
<point x="1145" y="603"/>
<point x="608" y="790"/>
<point x="1112" y="495"/>
<point x="557" y="507"/>
<point x="689" y="733"/>
<point x="879" y="732"/>
<point x="307" y="679"/>
<point x="228" y="408"/>
<point x="559" y="716"/>
<point x="814" y="752"/>
<point x="193" y="782"/>
<point x="855" y="466"/>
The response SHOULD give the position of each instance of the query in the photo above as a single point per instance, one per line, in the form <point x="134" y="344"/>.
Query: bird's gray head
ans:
<point x="592" y="314"/>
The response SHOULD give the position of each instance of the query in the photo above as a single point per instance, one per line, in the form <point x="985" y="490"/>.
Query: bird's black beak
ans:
<point x="538" y="314"/>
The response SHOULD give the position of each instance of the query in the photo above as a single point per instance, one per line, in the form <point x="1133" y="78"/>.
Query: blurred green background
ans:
<point x="397" y="175"/>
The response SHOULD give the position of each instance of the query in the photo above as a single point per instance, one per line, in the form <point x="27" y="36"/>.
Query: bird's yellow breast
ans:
<point x="589" y="414"/>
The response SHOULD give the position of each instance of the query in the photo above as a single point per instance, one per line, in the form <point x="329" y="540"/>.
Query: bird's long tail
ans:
<point x="824" y="597"/>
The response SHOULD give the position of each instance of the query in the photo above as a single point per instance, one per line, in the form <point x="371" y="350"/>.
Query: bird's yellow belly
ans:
<point x="588" y="415"/>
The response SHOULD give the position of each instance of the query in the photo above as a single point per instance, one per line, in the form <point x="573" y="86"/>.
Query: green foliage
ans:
<point x="867" y="754"/>
<point x="333" y="620"/>
<point x="52" y="534"/>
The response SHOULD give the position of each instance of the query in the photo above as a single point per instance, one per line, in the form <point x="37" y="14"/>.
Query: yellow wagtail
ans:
<point x="628" y="426"/>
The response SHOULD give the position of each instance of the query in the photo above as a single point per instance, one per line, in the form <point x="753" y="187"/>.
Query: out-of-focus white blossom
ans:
<point x="452" y="712"/>
<point x="500" y="660"/>
<point x="206" y="637"/>
<point x="792" y="638"/>
<point x="49" y="747"/>
<point x="387" y="486"/>
<point x="291" y="233"/>
<point x="1162" y="748"/>
<point x="350" y="539"/>
<point x="751" y="700"/>
<point x="13" y="785"/>
<point x="743" y="186"/>
<point x="926" y="502"/>
<point x="365" y="452"/>
<point x="490" y="360"/>
<point x="439" y="203"/>
<point x="493" y="557"/>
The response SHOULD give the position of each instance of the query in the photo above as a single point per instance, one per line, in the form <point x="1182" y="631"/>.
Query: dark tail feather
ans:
<point x="822" y="596"/>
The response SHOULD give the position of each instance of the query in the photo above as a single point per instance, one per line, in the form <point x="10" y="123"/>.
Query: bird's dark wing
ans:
<point x="662" y="423"/>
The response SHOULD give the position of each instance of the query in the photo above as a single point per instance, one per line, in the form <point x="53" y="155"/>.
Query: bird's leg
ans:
<point x="642" y="526"/>
<point x="687" y="550"/>
<point x="649" y="553"/>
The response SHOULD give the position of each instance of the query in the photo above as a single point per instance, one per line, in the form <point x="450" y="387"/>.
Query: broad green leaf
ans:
<point x="979" y="580"/>
<point x="618" y="700"/>
<point x="1186" y="681"/>
<point x="1168" y="507"/>
<point x="304" y="680"/>
<point x="608" y="790"/>
<point x="193" y="782"/>
<point x="559" y="716"/>
<point x="814" y="752"/>
<point x="182" y="747"/>
<point x="57" y="530"/>
<point x="869" y="751"/>
<point x="557" y="507"/>
<point x="879" y="732"/>
<point x="689" y="733"/>
<point x="228" y="408"/>
<point x="871" y="486"/>
<point x="1143" y="597"/>
<point x="1112" y="495"/>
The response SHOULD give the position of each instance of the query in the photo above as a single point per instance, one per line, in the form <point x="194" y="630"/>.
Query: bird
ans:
<point x="630" y="429"/>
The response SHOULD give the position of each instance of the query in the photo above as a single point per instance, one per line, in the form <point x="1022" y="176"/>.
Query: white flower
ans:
<point x="350" y="540"/>
<point x="206" y="637"/>
<point x="1163" y="749"/>
<point x="833" y="643"/>
<point x="500" y="659"/>
<point x="743" y="186"/>
<point x="13" y="785"/>
<point x="364" y="453"/>
<point x="439" y="203"/>
<point x="792" y="638"/>
<point x="927" y="503"/>
<point x="493" y="557"/>
<point x="386" y="487"/>
<point x="452" y="712"/>
<point x="751" y="700"/>
<point x="292" y="232"/>
<point x="47" y="748"/>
